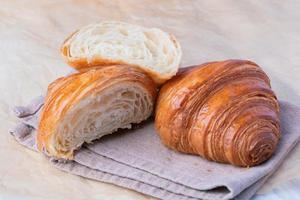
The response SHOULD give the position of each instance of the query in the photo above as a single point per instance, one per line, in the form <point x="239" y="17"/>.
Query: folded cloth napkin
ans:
<point x="137" y="160"/>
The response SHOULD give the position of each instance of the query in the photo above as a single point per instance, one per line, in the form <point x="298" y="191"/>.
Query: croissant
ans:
<point x="223" y="111"/>
<point x="92" y="103"/>
<point x="153" y="50"/>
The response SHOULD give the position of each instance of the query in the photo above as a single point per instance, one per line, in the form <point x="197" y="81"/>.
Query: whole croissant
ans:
<point x="87" y="105"/>
<point x="223" y="111"/>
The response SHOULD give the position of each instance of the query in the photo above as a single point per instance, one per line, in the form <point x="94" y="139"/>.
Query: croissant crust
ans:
<point x="223" y="111"/>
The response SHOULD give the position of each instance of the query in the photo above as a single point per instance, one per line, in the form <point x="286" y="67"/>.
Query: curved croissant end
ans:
<point x="223" y="111"/>
<point x="110" y="42"/>
<point x="87" y="105"/>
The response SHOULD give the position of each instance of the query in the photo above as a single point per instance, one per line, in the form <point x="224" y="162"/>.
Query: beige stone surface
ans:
<point x="31" y="31"/>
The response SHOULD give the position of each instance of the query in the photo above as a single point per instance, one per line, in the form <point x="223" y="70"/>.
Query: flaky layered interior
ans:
<point x="100" y="114"/>
<point x="126" y="43"/>
<point x="87" y="105"/>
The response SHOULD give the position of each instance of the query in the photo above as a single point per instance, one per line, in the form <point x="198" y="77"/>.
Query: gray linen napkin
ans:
<point x="136" y="159"/>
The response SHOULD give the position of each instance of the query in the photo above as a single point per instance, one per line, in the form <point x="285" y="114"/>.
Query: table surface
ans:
<point x="31" y="32"/>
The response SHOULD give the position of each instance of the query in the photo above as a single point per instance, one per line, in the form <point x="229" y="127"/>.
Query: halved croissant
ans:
<point x="153" y="50"/>
<point x="223" y="111"/>
<point x="87" y="105"/>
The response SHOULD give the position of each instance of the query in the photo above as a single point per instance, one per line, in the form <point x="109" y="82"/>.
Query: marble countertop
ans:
<point x="31" y="32"/>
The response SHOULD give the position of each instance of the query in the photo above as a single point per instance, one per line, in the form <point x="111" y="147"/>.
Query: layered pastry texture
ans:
<point x="110" y="42"/>
<point x="223" y="111"/>
<point x="87" y="105"/>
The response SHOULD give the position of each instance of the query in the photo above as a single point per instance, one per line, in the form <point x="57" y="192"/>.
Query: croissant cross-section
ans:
<point x="110" y="42"/>
<point x="87" y="105"/>
<point x="223" y="111"/>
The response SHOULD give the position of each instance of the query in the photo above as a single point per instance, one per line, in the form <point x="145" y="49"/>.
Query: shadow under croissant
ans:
<point x="149" y="122"/>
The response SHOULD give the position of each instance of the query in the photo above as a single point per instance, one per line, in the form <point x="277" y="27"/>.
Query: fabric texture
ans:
<point x="136" y="159"/>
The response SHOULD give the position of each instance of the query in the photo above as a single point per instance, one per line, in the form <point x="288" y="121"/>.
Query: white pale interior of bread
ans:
<point x="102" y="114"/>
<point x="132" y="44"/>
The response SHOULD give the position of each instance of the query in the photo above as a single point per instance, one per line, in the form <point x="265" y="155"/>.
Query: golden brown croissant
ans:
<point x="223" y="111"/>
<point x="85" y="106"/>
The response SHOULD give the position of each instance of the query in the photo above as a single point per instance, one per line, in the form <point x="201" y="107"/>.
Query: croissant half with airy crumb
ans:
<point x="110" y="42"/>
<point x="222" y="111"/>
<point x="87" y="105"/>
